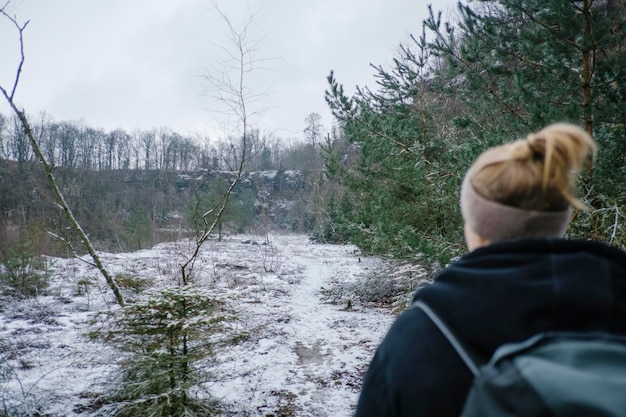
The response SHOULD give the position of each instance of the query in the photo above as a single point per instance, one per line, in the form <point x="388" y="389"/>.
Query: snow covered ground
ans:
<point x="309" y="346"/>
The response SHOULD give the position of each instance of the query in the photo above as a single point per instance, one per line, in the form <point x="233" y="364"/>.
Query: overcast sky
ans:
<point x="138" y="64"/>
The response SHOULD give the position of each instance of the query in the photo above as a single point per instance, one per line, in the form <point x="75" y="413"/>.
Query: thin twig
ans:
<point x="20" y="30"/>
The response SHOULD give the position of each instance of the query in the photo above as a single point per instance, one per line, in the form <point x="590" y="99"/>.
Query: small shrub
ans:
<point x="23" y="274"/>
<point x="132" y="283"/>
<point x="161" y="338"/>
<point x="35" y="312"/>
<point x="377" y="289"/>
<point x="82" y="286"/>
<point x="393" y="285"/>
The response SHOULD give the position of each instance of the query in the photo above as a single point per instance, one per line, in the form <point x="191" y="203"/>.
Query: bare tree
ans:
<point x="166" y="148"/>
<point x="9" y="95"/>
<point x="186" y="154"/>
<point x="148" y="139"/>
<point x="68" y="135"/>
<point x="47" y="137"/>
<point x="109" y="149"/>
<point x="122" y="149"/>
<point x="18" y="143"/>
<point x="90" y="138"/>
<point x="3" y="149"/>
<point x="226" y="84"/>
<point x="314" y="129"/>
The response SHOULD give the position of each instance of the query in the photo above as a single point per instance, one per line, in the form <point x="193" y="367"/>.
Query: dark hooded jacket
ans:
<point x="504" y="292"/>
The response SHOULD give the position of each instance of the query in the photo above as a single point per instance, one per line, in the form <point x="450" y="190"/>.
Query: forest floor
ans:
<point x="310" y="338"/>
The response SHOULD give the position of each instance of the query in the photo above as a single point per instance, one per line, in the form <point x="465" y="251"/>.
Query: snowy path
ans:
<point x="313" y="355"/>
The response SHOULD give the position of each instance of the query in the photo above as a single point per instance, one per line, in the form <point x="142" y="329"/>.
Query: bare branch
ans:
<point x="228" y="87"/>
<point x="224" y="81"/>
<point x="21" y="115"/>
<point x="20" y="30"/>
<point x="71" y="248"/>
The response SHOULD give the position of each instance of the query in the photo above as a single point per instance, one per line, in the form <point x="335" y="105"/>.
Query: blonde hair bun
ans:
<point x="536" y="173"/>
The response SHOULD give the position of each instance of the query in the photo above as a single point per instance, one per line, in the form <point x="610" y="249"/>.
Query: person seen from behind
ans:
<point x="520" y="277"/>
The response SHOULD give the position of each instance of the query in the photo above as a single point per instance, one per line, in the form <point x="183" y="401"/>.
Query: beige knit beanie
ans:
<point x="497" y="222"/>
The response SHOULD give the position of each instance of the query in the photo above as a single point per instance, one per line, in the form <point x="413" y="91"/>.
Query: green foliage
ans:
<point x="131" y="282"/>
<point x="334" y="227"/>
<point x="609" y="175"/>
<point x="504" y="69"/>
<point x="242" y="210"/>
<point x="137" y="229"/>
<point x="203" y="208"/>
<point x="22" y="273"/>
<point x="162" y="339"/>
<point x="518" y="65"/>
<point x="400" y="173"/>
<point x="527" y="63"/>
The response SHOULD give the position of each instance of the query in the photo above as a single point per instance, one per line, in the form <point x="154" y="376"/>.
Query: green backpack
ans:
<point x="557" y="374"/>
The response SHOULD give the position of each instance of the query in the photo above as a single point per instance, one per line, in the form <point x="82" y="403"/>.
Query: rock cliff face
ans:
<point x="292" y="181"/>
<point x="280" y="196"/>
<point x="112" y="205"/>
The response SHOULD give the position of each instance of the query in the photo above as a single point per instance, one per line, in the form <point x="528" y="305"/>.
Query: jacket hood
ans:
<point x="509" y="291"/>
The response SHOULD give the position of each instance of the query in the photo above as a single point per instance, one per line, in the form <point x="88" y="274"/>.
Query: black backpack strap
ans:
<point x="468" y="357"/>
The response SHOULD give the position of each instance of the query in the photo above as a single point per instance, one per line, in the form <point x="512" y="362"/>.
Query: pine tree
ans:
<point x="519" y="65"/>
<point x="522" y="64"/>
<point x="161" y="341"/>
<point x="400" y="171"/>
<point x="506" y="68"/>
